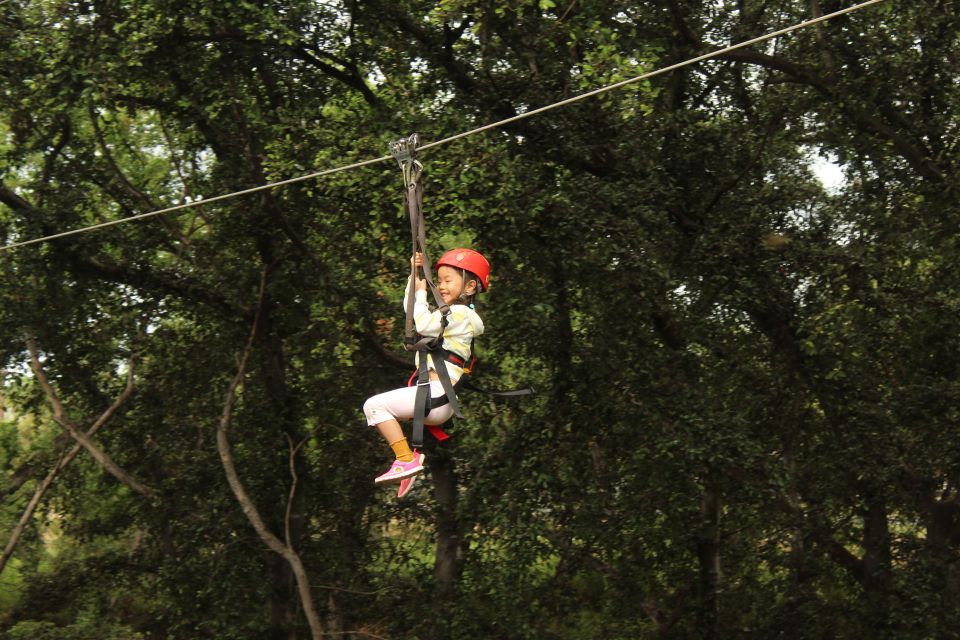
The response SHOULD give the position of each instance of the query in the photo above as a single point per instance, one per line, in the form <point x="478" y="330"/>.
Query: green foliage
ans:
<point x="747" y="385"/>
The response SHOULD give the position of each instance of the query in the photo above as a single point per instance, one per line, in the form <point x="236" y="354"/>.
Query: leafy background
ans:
<point x="747" y="383"/>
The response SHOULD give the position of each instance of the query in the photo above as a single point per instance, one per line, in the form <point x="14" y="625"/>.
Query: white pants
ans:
<point x="399" y="404"/>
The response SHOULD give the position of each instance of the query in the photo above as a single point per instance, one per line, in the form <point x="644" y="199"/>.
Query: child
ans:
<point x="461" y="275"/>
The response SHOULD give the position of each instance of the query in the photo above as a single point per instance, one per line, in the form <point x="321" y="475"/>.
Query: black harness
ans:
<point x="424" y="402"/>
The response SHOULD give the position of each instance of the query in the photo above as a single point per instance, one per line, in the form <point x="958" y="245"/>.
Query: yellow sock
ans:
<point x="402" y="450"/>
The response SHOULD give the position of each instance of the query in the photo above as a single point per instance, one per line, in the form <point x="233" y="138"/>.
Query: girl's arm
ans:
<point x="427" y="322"/>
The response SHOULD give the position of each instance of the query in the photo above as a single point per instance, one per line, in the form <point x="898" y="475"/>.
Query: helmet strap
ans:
<point x="467" y="299"/>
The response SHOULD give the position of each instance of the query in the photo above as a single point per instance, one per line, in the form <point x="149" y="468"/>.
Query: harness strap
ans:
<point x="424" y="403"/>
<point x="404" y="151"/>
<point x="449" y="391"/>
<point x="421" y="405"/>
<point x="466" y="384"/>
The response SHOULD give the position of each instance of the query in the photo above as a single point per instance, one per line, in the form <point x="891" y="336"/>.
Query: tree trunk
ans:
<point x="708" y="552"/>
<point x="449" y="556"/>
<point x="942" y="521"/>
<point x="877" y="559"/>
<point x="282" y="593"/>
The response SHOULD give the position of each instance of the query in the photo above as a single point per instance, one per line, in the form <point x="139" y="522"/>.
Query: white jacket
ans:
<point x="463" y="325"/>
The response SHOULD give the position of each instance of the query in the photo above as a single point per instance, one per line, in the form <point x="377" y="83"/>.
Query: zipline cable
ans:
<point x="487" y="127"/>
<point x="195" y="203"/>
<point x="651" y="74"/>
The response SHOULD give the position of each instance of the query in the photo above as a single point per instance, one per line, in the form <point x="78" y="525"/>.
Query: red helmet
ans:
<point x="467" y="259"/>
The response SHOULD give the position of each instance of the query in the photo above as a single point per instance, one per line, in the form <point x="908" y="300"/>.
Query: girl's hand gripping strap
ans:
<point x="404" y="151"/>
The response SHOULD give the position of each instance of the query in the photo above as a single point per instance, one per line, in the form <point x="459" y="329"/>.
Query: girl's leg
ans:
<point x="390" y="430"/>
<point x="384" y="410"/>
<point x="407" y="463"/>
<point x="393" y="434"/>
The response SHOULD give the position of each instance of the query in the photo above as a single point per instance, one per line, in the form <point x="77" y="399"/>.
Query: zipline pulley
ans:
<point x="404" y="151"/>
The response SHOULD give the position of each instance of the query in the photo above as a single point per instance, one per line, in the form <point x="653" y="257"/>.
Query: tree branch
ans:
<point x="61" y="464"/>
<point x="177" y="162"/>
<point x="916" y="155"/>
<point x="913" y="152"/>
<point x="12" y="200"/>
<point x="439" y="50"/>
<point x="156" y="281"/>
<point x="351" y="78"/>
<point x="125" y="182"/>
<point x="239" y="491"/>
<point x="48" y="162"/>
<point x="63" y="419"/>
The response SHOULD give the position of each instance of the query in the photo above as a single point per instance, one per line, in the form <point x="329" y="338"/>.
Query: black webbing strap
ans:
<point x="404" y="151"/>
<point x="424" y="403"/>
<point x="421" y="406"/>
<point x="440" y="365"/>
<point x="466" y="384"/>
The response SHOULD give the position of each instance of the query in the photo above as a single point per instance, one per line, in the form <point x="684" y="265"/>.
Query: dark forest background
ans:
<point x="748" y="382"/>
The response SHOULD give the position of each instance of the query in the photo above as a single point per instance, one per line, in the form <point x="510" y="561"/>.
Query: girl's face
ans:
<point x="450" y="284"/>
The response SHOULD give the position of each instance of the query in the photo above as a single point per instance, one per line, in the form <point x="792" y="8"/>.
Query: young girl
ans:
<point x="461" y="275"/>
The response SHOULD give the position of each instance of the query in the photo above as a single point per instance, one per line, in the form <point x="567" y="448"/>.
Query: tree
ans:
<point x="746" y="383"/>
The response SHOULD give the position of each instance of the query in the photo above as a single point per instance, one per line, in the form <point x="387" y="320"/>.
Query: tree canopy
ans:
<point x="747" y="380"/>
